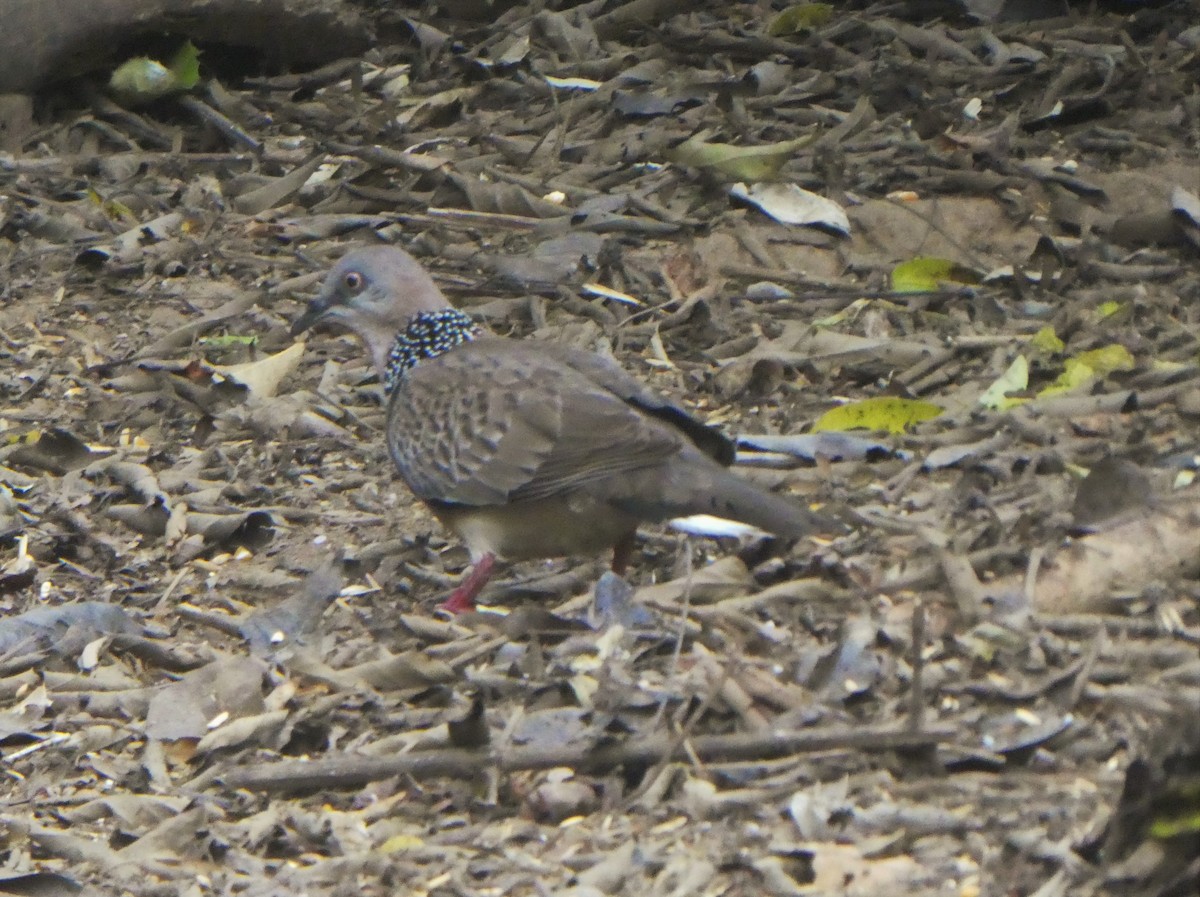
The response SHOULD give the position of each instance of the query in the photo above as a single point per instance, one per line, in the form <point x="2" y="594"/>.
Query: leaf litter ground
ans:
<point x="222" y="668"/>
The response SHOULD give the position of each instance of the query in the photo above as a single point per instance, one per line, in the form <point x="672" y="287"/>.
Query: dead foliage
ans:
<point x="220" y="666"/>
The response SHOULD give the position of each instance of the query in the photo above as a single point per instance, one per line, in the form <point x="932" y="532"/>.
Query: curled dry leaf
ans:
<point x="757" y="450"/>
<point x="259" y="729"/>
<point x="131" y="245"/>
<point x="276" y="191"/>
<point x="54" y="450"/>
<point x="261" y="378"/>
<point x="724" y="578"/>
<point x="710" y="690"/>
<point x="183" y="710"/>
<point x="66" y="627"/>
<point x="295" y="620"/>
<point x="792" y="204"/>
<point x="412" y="669"/>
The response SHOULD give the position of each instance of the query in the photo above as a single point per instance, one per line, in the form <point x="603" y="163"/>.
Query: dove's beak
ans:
<point x="317" y="310"/>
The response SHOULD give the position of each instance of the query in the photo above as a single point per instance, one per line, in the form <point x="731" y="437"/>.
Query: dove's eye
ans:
<point x="353" y="281"/>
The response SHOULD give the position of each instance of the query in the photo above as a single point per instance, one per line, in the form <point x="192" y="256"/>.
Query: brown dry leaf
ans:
<point x="842" y="869"/>
<point x="938" y="139"/>
<point x="184" y="836"/>
<point x="1096" y="570"/>
<point x="62" y="628"/>
<point x="412" y="669"/>
<point x="721" y="579"/>
<point x="416" y="111"/>
<point x="135" y="242"/>
<point x="54" y="450"/>
<point x="185" y="709"/>
<point x="261" y="378"/>
<point x="26" y="717"/>
<point x="135" y="811"/>
<point x="295" y="620"/>
<point x="277" y="191"/>
<point x="245" y="529"/>
<point x="261" y="729"/>
<point x="506" y="199"/>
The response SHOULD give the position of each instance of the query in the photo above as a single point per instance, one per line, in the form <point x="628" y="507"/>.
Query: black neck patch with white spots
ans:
<point x="427" y="335"/>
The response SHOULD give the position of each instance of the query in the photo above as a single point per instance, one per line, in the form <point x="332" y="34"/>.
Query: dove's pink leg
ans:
<point x="462" y="599"/>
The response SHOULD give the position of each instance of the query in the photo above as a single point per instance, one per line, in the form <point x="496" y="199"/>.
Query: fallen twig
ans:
<point x="355" y="771"/>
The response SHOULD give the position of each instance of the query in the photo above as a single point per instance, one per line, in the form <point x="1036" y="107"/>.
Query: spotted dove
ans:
<point x="528" y="449"/>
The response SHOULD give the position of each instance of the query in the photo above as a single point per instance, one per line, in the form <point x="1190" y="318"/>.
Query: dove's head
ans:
<point x="375" y="292"/>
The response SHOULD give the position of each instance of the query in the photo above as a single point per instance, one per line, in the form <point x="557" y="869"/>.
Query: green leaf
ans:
<point x="888" y="413"/>
<point x="1046" y="340"/>
<point x="743" y="163"/>
<point x="1183" y="823"/>
<point x="801" y="17"/>
<point x="924" y="274"/>
<point x="185" y="66"/>
<point x="1108" y="309"/>
<point x="1015" y="379"/>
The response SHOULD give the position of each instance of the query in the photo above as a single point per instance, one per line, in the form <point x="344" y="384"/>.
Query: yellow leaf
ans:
<point x="799" y="18"/>
<point x="891" y="414"/>
<point x="1168" y="366"/>
<point x="1086" y="367"/>
<point x="114" y="209"/>
<point x="1047" y="340"/>
<point x="923" y="274"/>
<point x="1108" y="309"/>
<point x="1075" y="374"/>
<point x="1105" y="360"/>
<point x="398" y="843"/>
